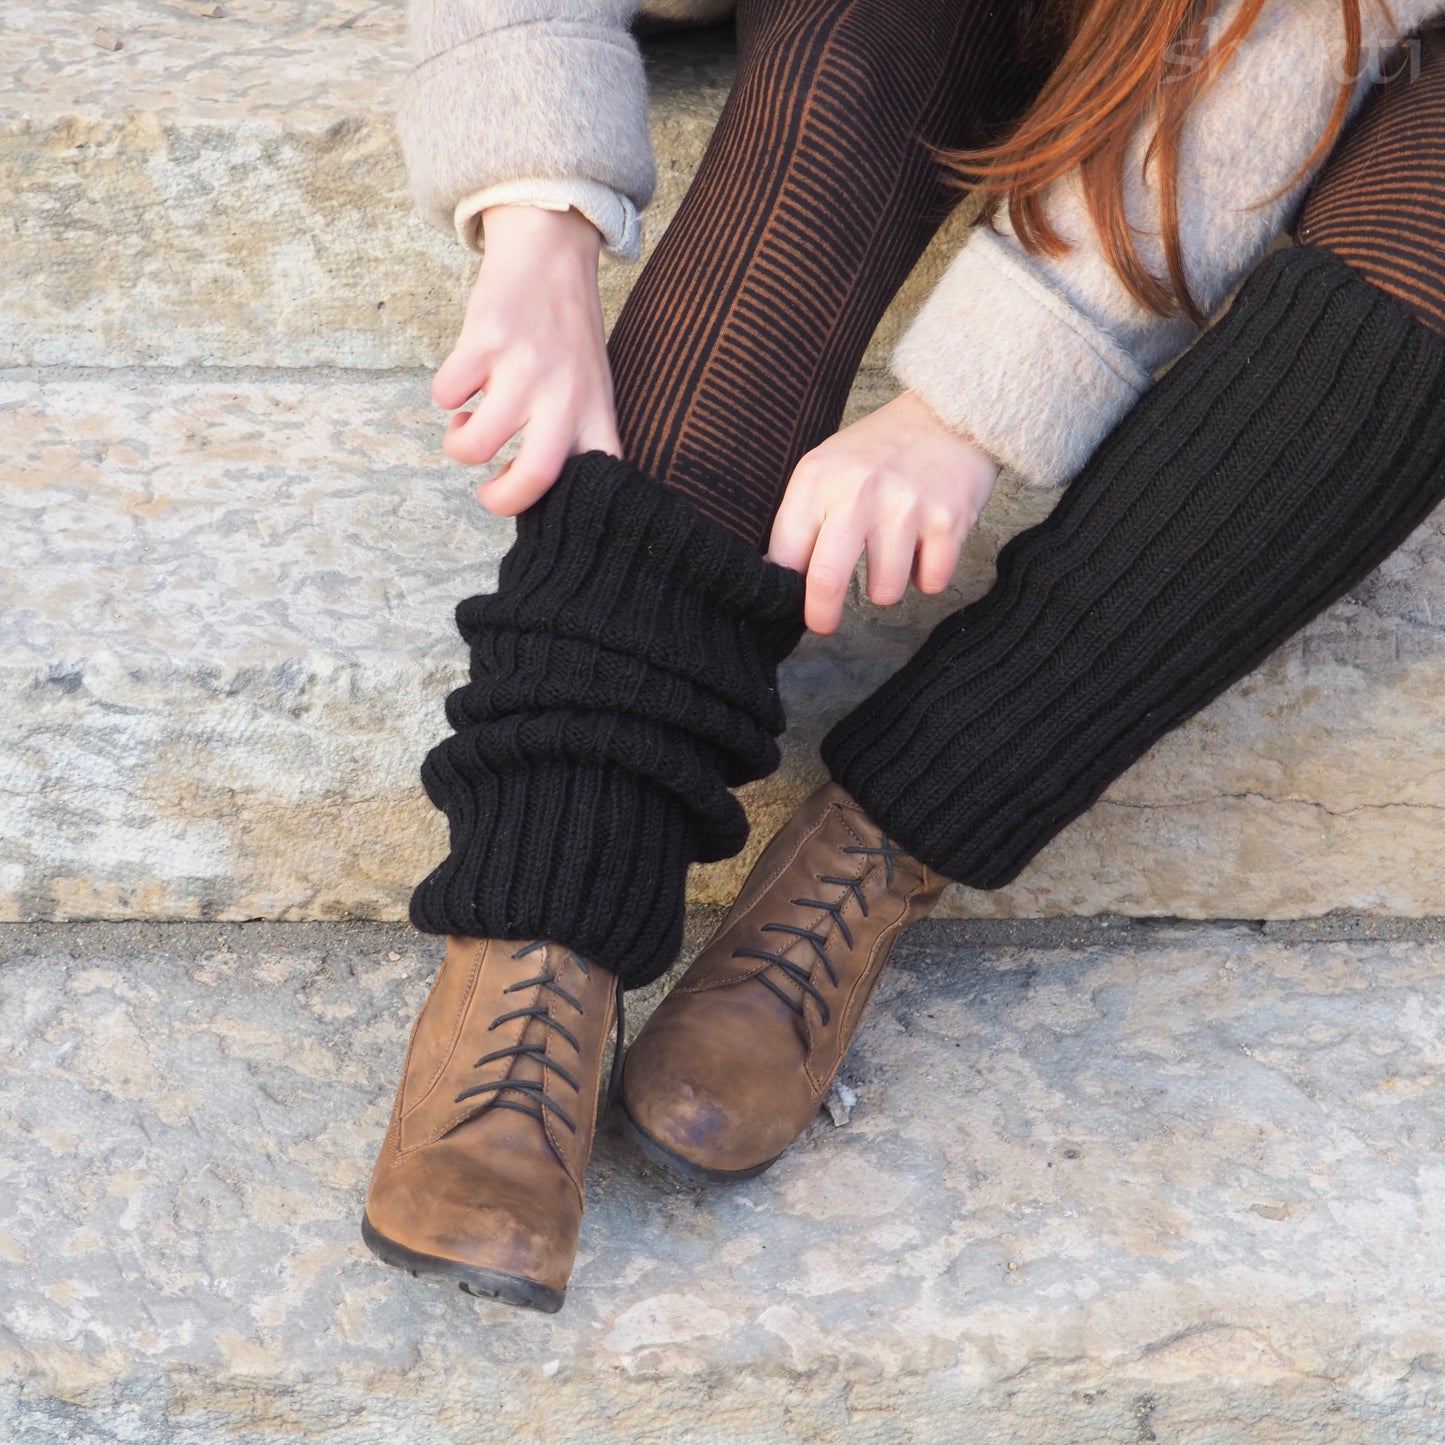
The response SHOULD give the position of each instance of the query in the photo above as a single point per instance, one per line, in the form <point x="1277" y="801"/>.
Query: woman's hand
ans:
<point x="898" y="484"/>
<point x="533" y="343"/>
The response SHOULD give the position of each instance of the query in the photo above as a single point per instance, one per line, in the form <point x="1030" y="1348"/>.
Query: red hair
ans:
<point x="1121" y="63"/>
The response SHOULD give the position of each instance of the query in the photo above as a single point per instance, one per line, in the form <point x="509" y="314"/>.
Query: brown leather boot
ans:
<point x="480" y="1177"/>
<point x="737" y="1058"/>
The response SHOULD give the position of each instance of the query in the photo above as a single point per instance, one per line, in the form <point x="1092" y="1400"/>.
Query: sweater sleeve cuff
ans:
<point x="614" y="215"/>
<point x="461" y="121"/>
<point x="1000" y="355"/>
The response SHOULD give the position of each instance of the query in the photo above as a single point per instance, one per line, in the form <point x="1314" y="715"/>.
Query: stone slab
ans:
<point x="1184" y="1186"/>
<point x="225" y="636"/>
<point x="228" y="191"/>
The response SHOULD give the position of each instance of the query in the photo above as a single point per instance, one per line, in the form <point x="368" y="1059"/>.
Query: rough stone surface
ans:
<point x="1184" y="1186"/>
<point x="228" y="191"/>
<point x="225" y="635"/>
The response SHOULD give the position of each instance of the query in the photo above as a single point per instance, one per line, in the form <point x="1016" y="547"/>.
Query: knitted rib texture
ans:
<point x="1291" y="451"/>
<point x="624" y="678"/>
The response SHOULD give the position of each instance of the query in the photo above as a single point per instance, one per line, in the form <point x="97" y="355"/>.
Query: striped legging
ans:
<point x="736" y="349"/>
<point x="819" y="191"/>
<point x="1380" y="202"/>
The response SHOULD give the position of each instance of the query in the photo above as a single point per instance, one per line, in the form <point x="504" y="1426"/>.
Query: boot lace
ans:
<point x="817" y="937"/>
<point x="534" y="1089"/>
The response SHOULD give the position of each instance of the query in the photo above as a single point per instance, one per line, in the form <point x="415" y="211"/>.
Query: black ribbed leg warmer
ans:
<point x="1274" y="466"/>
<point x="623" y="680"/>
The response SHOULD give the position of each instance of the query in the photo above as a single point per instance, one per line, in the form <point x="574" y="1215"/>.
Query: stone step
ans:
<point x="227" y="191"/>
<point x="1178" y="1185"/>
<point x="225" y="637"/>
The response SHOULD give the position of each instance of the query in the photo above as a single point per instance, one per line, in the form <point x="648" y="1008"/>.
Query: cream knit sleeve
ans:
<point x="1036" y="358"/>
<point x="520" y="93"/>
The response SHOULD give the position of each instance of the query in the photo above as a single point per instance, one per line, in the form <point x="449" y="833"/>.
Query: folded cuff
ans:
<point x="615" y="217"/>
<point x="586" y="855"/>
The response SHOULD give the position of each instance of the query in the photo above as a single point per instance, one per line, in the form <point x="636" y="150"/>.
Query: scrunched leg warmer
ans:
<point x="1288" y="454"/>
<point x="624" y="678"/>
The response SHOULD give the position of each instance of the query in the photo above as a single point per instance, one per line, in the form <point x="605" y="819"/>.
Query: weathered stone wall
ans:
<point x="1181" y="1187"/>
<point x="232" y="551"/>
<point x="228" y="191"/>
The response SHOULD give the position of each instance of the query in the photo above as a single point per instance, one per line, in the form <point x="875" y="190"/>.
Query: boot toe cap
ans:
<point x="691" y="1102"/>
<point x="461" y="1218"/>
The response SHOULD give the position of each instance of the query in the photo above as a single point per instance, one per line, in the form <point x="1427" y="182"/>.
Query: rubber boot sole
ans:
<point x="509" y="1289"/>
<point x="675" y="1164"/>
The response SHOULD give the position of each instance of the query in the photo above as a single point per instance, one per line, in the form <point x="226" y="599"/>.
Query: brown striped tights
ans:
<point x="819" y="191"/>
<point x="1380" y="202"/>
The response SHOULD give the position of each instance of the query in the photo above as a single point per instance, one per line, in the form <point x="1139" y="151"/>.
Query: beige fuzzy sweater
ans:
<point x="1035" y="358"/>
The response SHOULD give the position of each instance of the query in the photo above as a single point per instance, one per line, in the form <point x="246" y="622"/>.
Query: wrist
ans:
<point x="533" y="231"/>
<point x="982" y="466"/>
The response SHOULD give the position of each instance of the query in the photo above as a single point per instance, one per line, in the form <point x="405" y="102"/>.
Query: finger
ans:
<point x="599" y="434"/>
<point x="830" y="571"/>
<point x="545" y="447"/>
<point x="795" y="527"/>
<point x="938" y="555"/>
<point x="890" y="560"/>
<point x="461" y="376"/>
<point x="477" y="436"/>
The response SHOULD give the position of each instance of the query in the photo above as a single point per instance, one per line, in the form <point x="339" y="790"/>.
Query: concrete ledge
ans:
<point x="228" y="191"/>
<point x="1184" y="1186"/>
<point x="225" y="637"/>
